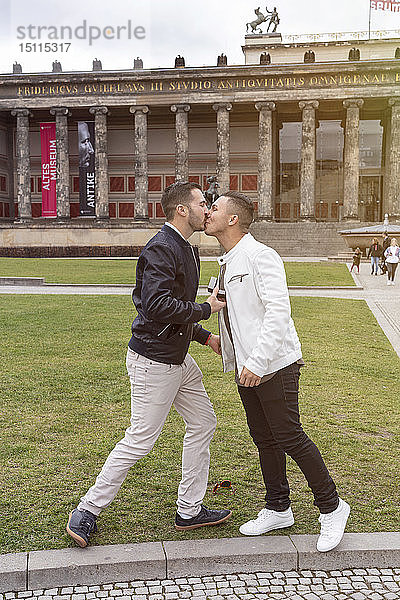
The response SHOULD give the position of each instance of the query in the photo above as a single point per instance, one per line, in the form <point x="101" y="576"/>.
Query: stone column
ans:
<point x="394" y="161"/>
<point x="62" y="183"/>
<point x="265" y="160"/>
<point x="23" y="164"/>
<point x="181" y="141"/>
<point x="222" y="109"/>
<point x="351" y="166"/>
<point x="10" y="170"/>
<point x="141" y="170"/>
<point x="307" y="172"/>
<point x="101" y="160"/>
<point x="385" y="123"/>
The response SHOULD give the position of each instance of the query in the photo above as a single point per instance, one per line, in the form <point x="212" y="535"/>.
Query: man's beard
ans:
<point x="196" y="223"/>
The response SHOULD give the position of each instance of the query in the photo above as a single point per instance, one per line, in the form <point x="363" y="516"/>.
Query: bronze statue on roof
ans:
<point x="272" y="18"/>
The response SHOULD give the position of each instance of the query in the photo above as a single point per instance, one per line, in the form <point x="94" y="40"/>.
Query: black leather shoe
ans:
<point x="81" y="524"/>
<point x="205" y="517"/>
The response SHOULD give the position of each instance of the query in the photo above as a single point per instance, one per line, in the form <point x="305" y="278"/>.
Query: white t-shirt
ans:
<point x="392" y="254"/>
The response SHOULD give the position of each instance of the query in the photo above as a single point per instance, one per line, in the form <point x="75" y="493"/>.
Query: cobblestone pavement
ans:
<point x="355" y="584"/>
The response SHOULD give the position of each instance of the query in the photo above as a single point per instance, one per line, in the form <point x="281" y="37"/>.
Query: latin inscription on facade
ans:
<point x="307" y="81"/>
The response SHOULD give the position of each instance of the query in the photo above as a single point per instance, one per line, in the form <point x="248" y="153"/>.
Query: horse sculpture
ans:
<point x="254" y="24"/>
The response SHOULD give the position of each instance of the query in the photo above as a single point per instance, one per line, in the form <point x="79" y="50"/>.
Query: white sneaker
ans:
<point x="332" y="527"/>
<point x="267" y="520"/>
<point x="389" y="282"/>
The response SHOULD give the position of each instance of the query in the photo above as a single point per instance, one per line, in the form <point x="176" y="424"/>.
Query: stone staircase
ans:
<point x="303" y="238"/>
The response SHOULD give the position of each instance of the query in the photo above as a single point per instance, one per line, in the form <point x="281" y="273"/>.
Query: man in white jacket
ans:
<point x="260" y="343"/>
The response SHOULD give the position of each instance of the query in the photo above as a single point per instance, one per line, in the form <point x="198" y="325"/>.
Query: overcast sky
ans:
<point x="197" y="30"/>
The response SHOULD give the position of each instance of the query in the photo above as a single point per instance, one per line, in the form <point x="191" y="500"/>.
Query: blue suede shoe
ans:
<point x="81" y="524"/>
<point x="205" y="517"/>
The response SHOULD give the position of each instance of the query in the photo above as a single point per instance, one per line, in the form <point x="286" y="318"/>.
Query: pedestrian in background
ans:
<point x="356" y="259"/>
<point x="375" y="252"/>
<point x="385" y="241"/>
<point x="385" y="245"/>
<point x="392" y="257"/>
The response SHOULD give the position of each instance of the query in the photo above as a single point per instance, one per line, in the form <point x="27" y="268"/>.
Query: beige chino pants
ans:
<point x="155" y="387"/>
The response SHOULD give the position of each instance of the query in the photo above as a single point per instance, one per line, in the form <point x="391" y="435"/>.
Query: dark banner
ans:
<point x="87" y="179"/>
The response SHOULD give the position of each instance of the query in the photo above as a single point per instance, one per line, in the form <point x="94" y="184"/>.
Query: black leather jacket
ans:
<point x="167" y="278"/>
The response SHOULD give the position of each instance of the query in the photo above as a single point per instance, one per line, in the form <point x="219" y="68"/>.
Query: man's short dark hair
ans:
<point x="242" y="206"/>
<point x="177" y="193"/>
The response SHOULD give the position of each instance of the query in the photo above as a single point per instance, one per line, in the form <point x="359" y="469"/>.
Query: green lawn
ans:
<point x="81" y="270"/>
<point x="65" y="403"/>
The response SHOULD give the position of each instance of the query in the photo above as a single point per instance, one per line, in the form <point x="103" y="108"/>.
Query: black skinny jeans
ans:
<point x="391" y="267"/>
<point x="273" y="418"/>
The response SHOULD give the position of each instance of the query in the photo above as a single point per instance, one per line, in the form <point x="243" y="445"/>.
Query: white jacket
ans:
<point x="392" y="254"/>
<point x="257" y="297"/>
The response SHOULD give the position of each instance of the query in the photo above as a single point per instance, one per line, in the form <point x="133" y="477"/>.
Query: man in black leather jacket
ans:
<point x="161" y="371"/>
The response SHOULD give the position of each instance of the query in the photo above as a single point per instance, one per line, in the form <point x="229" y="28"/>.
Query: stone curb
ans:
<point x="96" y="565"/>
<point x="22" y="281"/>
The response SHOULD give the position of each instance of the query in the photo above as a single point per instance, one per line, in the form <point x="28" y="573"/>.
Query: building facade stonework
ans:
<point x="306" y="141"/>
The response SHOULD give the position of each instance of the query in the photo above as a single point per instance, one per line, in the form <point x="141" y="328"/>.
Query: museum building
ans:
<point x="308" y="126"/>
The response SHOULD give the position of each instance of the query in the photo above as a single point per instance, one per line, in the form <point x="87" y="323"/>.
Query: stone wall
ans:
<point x="84" y="239"/>
<point x="302" y="239"/>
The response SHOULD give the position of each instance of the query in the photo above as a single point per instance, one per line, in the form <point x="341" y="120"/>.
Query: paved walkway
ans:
<point x="354" y="584"/>
<point x="59" y="288"/>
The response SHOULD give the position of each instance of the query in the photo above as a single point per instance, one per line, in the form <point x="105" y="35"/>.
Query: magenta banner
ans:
<point x="49" y="169"/>
<point x="393" y="5"/>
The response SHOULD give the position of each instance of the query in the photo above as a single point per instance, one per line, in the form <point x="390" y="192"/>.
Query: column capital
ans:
<point x="180" y="108"/>
<point x="60" y="111"/>
<point x="260" y="106"/>
<point x="98" y="110"/>
<point x="308" y="104"/>
<point x="222" y="106"/>
<point x="353" y="103"/>
<point x="394" y="101"/>
<point x="21" y="112"/>
<point x="137" y="109"/>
